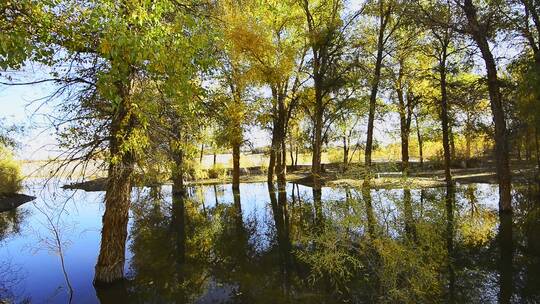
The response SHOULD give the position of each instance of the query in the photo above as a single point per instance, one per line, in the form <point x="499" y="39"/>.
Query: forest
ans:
<point x="272" y="151"/>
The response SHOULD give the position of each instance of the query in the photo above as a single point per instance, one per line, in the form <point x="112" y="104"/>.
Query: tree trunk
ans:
<point x="282" y="173"/>
<point x="110" y="264"/>
<point x="345" y="154"/>
<point x="444" y="116"/>
<point x="468" y="146"/>
<point x="296" y="158"/>
<point x="291" y="152"/>
<point x="537" y="147"/>
<point x="451" y="140"/>
<point x="202" y="154"/>
<point x="404" y="126"/>
<point x="375" y="85"/>
<point x="236" y="166"/>
<point x="420" y="142"/>
<point x="317" y="143"/>
<point x="479" y="34"/>
<point x="271" y="161"/>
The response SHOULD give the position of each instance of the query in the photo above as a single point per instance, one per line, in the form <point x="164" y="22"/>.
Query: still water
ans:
<point x="261" y="246"/>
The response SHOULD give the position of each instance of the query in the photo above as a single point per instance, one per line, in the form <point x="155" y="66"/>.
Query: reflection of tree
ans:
<point x="158" y="271"/>
<point x="450" y="201"/>
<point x="10" y="222"/>
<point x="10" y="278"/>
<point x="506" y="258"/>
<point x="437" y="245"/>
<point x="281" y="221"/>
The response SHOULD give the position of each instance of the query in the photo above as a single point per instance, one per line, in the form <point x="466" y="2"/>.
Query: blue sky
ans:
<point x="20" y="106"/>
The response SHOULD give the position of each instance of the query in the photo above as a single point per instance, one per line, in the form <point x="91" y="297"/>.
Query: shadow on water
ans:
<point x="293" y="244"/>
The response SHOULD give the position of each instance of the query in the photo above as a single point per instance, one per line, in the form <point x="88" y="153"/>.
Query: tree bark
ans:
<point x="271" y="161"/>
<point x="202" y="154"/>
<point x="291" y="152"/>
<point x="236" y="166"/>
<point x="420" y="142"/>
<point x="479" y="34"/>
<point x="468" y="146"/>
<point x="444" y="113"/>
<point x="375" y="86"/>
<point x="296" y="158"/>
<point x="317" y="143"/>
<point x="404" y="120"/>
<point x="345" y="154"/>
<point x="110" y="264"/>
<point x="537" y="147"/>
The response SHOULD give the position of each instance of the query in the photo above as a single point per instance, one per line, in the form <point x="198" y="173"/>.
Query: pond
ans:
<point x="293" y="246"/>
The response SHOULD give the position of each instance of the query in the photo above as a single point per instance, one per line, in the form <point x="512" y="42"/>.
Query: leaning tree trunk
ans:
<point x="479" y="34"/>
<point x="110" y="264"/>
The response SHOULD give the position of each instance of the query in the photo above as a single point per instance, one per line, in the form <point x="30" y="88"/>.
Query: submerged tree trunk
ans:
<point x="479" y="34"/>
<point x="110" y="264"/>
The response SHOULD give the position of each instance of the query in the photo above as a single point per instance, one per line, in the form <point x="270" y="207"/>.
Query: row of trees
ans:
<point x="141" y="84"/>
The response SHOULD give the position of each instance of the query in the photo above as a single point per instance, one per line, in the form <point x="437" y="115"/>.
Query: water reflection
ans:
<point x="262" y="244"/>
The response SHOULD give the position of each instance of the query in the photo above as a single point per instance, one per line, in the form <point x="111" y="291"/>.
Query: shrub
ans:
<point x="194" y="170"/>
<point x="217" y="171"/>
<point x="10" y="172"/>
